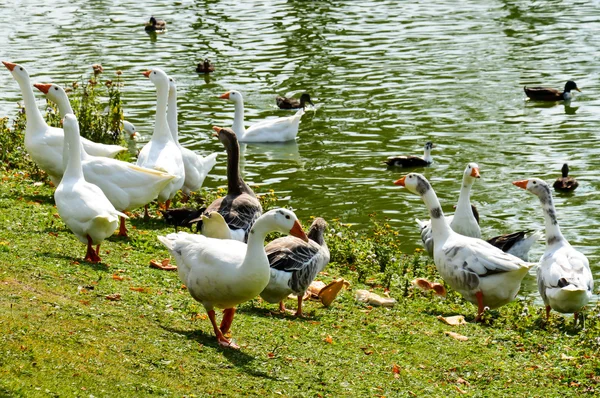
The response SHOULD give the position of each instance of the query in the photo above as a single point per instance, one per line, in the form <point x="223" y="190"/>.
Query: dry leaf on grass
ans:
<point x="118" y="277"/>
<point x="457" y="336"/>
<point x="113" y="297"/>
<point x="163" y="265"/>
<point x="328" y="339"/>
<point x="566" y="357"/>
<point x="140" y="289"/>
<point x="368" y="297"/>
<point x="453" y="320"/>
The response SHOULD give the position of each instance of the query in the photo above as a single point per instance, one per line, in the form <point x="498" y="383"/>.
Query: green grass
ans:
<point x="61" y="336"/>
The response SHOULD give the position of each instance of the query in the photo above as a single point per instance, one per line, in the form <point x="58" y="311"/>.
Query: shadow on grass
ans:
<point x="267" y="313"/>
<point x="238" y="358"/>
<point x="39" y="198"/>
<point x="102" y="266"/>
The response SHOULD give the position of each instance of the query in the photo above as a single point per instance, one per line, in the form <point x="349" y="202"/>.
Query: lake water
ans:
<point x="386" y="76"/>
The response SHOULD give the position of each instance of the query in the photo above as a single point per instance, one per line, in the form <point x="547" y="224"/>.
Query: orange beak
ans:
<point x="475" y="172"/>
<point x="217" y="130"/>
<point x="10" y="66"/>
<point x="521" y="184"/>
<point x="44" y="88"/>
<point x="298" y="232"/>
<point x="400" y="182"/>
<point x="225" y="96"/>
<point x="147" y="73"/>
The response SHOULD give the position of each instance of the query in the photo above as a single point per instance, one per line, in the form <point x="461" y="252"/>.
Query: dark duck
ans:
<point x="155" y="25"/>
<point x="205" y="67"/>
<point x="412" y="161"/>
<point x="293" y="103"/>
<point x="551" y="94"/>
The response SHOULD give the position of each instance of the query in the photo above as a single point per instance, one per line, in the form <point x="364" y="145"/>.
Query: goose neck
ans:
<point x="172" y="114"/>
<point x="553" y="233"/>
<point x="463" y="207"/>
<point x="255" y="252"/>
<point x="238" y="119"/>
<point x="440" y="228"/>
<point x="64" y="106"/>
<point x="35" y="120"/>
<point x="72" y="147"/>
<point x="316" y="235"/>
<point x="235" y="183"/>
<point x="161" y="127"/>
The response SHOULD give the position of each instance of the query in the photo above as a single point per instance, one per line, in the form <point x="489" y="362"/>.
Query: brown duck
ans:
<point x="293" y="103"/>
<point x="565" y="183"/>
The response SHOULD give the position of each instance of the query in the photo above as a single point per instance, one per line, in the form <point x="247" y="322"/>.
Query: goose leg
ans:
<point x="548" y="313"/>
<point x="223" y="342"/>
<point x="91" y="255"/>
<point x="228" y="314"/>
<point x="146" y="214"/>
<point x="480" y="307"/>
<point x="299" y="310"/>
<point x="282" y="307"/>
<point x="122" y="228"/>
<point x="575" y="318"/>
<point x="167" y="204"/>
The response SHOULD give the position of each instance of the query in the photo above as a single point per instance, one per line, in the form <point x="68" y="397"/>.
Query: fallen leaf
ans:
<point x="396" y="369"/>
<point x="453" y="320"/>
<point x="271" y="355"/>
<point x="566" y="357"/>
<point x="460" y="380"/>
<point x="459" y="390"/>
<point x="53" y="234"/>
<point x="113" y="297"/>
<point x="140" y="289"/>
<point x="163" y="265"/>
<point x="328" y="339"/>
<point x="456" y="336"/>
<point x="118" y="277"/>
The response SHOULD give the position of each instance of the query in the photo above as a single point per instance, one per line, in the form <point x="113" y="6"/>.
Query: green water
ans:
<point x="386" y="77"/>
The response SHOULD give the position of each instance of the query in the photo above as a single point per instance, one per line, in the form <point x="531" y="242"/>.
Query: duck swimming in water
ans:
<point x="565" y="183"/>
<point x="412" y="161"/>
<point x="293" y="103"/>
<point x="155" y="25"/>
<point x="551" y="94"/>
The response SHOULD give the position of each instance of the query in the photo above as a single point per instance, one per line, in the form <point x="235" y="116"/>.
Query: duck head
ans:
<point x="565" y="170"/>
<point x="429" y="145"/>
<point x="571" y="85"/>
<point x="304" y="99"/>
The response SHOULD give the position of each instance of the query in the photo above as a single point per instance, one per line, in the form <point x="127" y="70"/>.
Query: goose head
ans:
<point x="471" y="173"/>
<point x="172" y="85"/>
<point x="535" y="186"/>
<point x="233" y="95"/>
<point x="415" y="183"/>
<point x="130" y="131"/>
<point x="571" y="85"/>
<point x="53" y="92"/>
<point x="158" y="77"/>
<point x="317" y="230"/>
<point x="19" y="72"/>
<point x="215" y="226"/>
<point x="226" y="136"/>
<point x="70" y="124"/>
<point x="284" y="221"/>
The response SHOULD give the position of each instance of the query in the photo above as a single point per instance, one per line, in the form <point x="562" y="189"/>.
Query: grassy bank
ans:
<point x="119" y="328"/>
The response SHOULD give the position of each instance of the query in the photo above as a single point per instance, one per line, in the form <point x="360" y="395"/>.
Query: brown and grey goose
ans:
<point x="240" y="208"/>
<point x="295" y="264"/>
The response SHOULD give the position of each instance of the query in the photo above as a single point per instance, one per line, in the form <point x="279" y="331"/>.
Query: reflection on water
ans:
<point x="388" y="76"/>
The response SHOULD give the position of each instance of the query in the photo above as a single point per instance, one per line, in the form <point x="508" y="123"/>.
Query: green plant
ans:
<point x="13" y="155"/>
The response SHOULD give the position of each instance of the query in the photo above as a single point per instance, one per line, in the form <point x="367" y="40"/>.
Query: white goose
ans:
<point x="131" y="137"/>
<point x="80" y="204"/>
<point x="224" y="273"/>
<point x="161" y="152"/>
<point x="271" y="130"/>
<point x="196" y="166"/>
<point x="463" y="221"/>
<point x="295" y="264"/>
<point x="565" y="281"/>
<point x="482" y="273"/>
<point x="44" y="143"/>
<point x="126" y="185"/>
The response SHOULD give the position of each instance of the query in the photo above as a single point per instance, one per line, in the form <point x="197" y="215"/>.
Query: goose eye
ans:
<point x="154" y="73"/>
<point x="56" y="88"/>
<point x="20" y="68"/>
<point x="534" y="182"/>
<point x="287" y="216"/>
